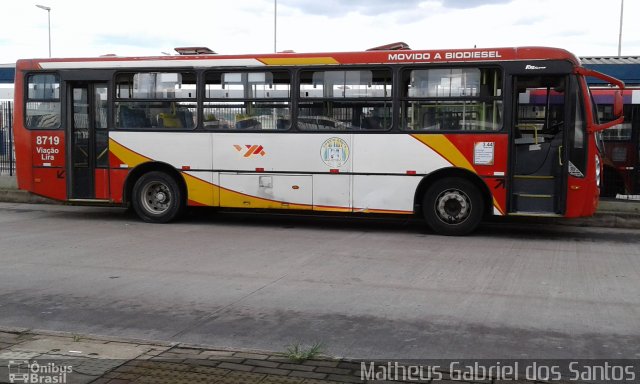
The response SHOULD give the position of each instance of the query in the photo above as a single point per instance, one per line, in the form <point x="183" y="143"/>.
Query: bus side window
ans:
<point x="452" y="99"/>
<point x="148" y="100"/>
<point x="42" y="107"/>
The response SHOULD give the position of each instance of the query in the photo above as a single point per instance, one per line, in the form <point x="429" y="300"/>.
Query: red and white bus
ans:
<point x="452" y="135"/>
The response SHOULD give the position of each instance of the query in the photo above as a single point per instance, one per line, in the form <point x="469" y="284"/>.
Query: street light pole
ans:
<point x="620" y="35"/>
<point x="48" y="9"/>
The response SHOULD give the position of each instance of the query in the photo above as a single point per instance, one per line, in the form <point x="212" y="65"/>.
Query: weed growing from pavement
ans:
<point x="296" y="352"/>
<point x="76" y="338"/>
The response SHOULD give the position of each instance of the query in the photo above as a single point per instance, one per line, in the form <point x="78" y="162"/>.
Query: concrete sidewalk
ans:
<point x="94" y="359"/>
<point x="99" y="360"/>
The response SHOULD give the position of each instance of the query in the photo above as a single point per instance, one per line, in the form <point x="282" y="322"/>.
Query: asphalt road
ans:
<point x="364" y="288"/>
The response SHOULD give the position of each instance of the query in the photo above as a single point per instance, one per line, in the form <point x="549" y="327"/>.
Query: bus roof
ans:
<point x="302" y="59"/>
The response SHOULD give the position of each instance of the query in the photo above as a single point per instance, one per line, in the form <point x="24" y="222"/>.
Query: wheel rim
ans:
<point x="453" y="206"/>
<point x="156" y="197"/>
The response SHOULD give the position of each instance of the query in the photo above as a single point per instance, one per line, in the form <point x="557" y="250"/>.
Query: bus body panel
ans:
<point x="392" y="163"/>
<point x="444" y="56"/>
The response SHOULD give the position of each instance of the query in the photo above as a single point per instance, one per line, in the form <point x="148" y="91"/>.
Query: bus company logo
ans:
<point x="248" y="150"/>
<point x="533" y="67"/>
<point x="24" y="371"/>
<point x="334" y="152"/>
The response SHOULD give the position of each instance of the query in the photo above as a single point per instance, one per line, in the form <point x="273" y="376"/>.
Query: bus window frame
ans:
<point x="393" y="98"/>
<point x="203" y="99"/>
<point x="114" y="99"/>
<point x="401" y="98"/>
<point x="27" y="100"/>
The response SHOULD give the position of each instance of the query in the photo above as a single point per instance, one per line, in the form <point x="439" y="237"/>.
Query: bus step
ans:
<point x="531" y="202"/>
<point x="534" y="184"/>
<point x="535" y="214"/>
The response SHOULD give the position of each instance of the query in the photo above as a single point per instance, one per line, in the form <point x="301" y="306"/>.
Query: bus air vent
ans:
<point x="391" y="47"/>
<point x="194" y="51"/>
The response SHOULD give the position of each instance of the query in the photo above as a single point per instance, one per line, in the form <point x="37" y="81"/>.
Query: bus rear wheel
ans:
<point x="453" y="207"/>
<point x="157" y="198"/>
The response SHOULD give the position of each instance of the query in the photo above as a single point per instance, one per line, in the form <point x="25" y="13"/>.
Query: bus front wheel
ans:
<point x="157" y="197"/>
<point x="453" y="207"/>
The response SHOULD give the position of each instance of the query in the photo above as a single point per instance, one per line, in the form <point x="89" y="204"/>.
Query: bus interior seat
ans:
<point x="178" y="118"/>
<point x="371" y="122"/>
<point x="132" y="117"/>
<point x="166" y="120"/>
<point x="282" y="123"/>
<point x="186" y="117"/>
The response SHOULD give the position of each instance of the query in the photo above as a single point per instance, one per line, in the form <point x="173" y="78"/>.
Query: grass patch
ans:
<point x="298" y="353"/>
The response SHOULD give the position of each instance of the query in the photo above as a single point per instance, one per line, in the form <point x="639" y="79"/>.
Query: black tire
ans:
<point x="157" y="198"/>
<point x="453" y="207"/>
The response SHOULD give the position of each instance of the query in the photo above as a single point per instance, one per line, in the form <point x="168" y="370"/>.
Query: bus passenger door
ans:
<point x="89" y="154"/>
<point x="539" y="153"/>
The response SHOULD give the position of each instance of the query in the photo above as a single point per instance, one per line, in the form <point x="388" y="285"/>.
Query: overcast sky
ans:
<point x="81" y="28"/>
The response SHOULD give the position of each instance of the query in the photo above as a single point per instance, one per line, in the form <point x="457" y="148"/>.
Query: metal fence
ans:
<point x="7" y="150"/>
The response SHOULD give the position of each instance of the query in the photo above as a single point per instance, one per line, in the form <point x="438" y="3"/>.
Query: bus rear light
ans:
<point x="334" y="170"/>
<point x="259" y="169"/>
<point x="411" y="172"/>
<point x="186" y="168"/>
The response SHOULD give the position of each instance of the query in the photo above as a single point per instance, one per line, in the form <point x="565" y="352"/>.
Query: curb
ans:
<point x="132" y="340"/>
<point x="8" y="195"/>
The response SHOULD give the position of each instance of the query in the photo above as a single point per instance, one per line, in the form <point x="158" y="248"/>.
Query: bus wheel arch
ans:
<point x="163" y="179"/>
<point x="466" y="191"/>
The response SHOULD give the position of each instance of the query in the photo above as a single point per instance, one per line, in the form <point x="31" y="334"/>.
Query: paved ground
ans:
<point x="56" y="357"/>
<point x="107" y="361"/>
<point x="364" y="288"/>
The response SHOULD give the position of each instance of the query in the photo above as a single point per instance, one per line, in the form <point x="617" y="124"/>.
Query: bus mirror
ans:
<point x="617" y="98"/>
<point x="617" y="103"/>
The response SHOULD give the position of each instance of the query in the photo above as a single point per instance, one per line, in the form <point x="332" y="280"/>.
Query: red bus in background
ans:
<point x="621" y="177"/>
<point x="450" y="135"/>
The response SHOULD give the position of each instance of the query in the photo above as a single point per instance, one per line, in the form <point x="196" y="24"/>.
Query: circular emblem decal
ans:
<point x="334" y="152"/>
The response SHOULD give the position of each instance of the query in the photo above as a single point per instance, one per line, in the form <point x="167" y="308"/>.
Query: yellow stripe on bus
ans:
<point x="299" y="60"/>
<point x="201" y="191"/>
<point x="126" y="156"/>
<point x="446" y="149"/>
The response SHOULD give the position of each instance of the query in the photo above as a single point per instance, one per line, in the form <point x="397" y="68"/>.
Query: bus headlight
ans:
<point x="598" y="171"/>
